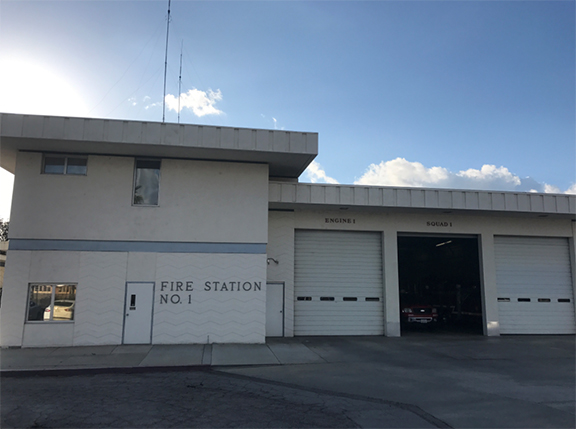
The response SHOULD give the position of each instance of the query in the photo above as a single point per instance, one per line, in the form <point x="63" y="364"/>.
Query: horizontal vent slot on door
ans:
<point x="349" y="298"/>
<point x="563" y="299"/>
<point x="304" y="298"/>
<point x="372" y="299"/>
<point x="331" y="267"/>
<point x="531" y="271"/>
<point x="503" y="299"/>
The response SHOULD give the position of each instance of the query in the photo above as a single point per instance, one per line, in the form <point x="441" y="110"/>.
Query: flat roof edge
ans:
<point x="94" y="136"/>
<point x="161" y="133"/>
<point x="313" y="194"/>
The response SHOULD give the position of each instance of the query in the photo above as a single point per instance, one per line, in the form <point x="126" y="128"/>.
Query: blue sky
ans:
<point x="460" y="94"/>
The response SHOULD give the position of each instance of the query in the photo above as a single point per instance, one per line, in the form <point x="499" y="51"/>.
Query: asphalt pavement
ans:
<point x="418" y="380"/>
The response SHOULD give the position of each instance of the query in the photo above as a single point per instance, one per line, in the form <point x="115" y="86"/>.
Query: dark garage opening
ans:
<point x="439" y="278"/>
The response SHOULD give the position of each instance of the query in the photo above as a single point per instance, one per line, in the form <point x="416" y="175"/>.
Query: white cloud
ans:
<point x="274" y="121"/>
<point x="400" y="172"/>
<point x="488" y="177"/>
<point x="316" y="174"/>
<point x="201" y="103"/>
<point x="145" y="102"/>
<point x="571" y="189"/>
<point x="551" y="189"/>
<point x="150" y="105"/>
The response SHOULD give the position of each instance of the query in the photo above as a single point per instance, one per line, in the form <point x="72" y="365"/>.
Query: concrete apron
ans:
<point x="465" y="381"/>
<point x="153" y="356"/>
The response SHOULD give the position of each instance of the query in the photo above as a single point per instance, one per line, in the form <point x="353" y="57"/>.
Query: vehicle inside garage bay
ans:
<point x="439" y="281"/>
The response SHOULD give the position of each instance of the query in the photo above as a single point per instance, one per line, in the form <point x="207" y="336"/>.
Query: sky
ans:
<point x="436" y="94"/>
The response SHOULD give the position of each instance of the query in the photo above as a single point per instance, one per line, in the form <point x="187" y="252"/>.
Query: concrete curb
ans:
<point x="59" y="372"/>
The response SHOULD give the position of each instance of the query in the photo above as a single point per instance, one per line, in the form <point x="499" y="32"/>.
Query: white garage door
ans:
<point x="338" y="283"/>
<point x="534" y="285"/>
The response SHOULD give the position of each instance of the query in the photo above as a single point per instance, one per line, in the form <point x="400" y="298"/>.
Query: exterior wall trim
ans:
<point x="295" y="195"/>
<point x="136" y="246"/>
<point x="287" y="153"/>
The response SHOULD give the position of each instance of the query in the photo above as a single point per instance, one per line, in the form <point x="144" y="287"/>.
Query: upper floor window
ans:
<point x="146" y="182"/>
<point x="57" y="164"/>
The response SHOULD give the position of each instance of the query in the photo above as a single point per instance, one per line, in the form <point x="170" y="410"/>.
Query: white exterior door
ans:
<point x="534" y="282"/>
<point x="138" y="313"/>
<point x="275" y="309"/>
<point x="338" y="283"/>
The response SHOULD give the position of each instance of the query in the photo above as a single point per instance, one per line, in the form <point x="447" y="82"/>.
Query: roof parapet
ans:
<point x="287" y="152"/>
<point x="283" y="195"/>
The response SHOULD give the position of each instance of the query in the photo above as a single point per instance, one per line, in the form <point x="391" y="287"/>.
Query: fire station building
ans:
<point x="127" y="232"/>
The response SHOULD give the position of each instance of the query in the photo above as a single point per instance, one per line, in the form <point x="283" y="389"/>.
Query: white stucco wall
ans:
<point x="198" y="202"/>
<point x="281" y="248"/>
<point x="227" y="303"/>
<point x="99" y="315"/>
<point x="233" y="315"/>
<point x="14" y="309"/>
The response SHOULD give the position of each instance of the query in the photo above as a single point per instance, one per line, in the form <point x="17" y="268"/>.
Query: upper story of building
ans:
<point x="287" y="153"/>
<point x="98" y="179"/>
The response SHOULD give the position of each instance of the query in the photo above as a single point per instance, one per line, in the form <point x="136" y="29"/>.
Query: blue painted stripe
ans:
<point x="136" y="246"/>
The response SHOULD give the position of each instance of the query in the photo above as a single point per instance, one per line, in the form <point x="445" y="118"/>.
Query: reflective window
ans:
<point x="51" y="302"/>
<point x="54" y="164"/>
<point x="146" y="182"/>
<point x="76" y="165"/>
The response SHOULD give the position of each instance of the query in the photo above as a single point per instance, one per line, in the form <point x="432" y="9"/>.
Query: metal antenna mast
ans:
<point x="180" y="80"/>
<point x="166" y="64"/>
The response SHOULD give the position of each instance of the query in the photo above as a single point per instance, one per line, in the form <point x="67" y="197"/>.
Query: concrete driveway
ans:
<point x="423" y="379"/>
<point x="464" y="381"/>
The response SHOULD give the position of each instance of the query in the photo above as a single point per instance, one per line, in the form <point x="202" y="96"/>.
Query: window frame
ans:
<point x="53" y="300"/>
<point x="133" y="203"/>
<point x="66" y="158"/>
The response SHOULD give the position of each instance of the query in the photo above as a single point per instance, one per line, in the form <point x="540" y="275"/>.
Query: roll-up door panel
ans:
<point x="338" y="283"/>
<point x="534" y="285"/>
